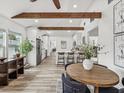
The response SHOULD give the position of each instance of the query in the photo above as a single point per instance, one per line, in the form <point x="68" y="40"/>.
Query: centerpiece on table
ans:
<point x="88" y="53"/>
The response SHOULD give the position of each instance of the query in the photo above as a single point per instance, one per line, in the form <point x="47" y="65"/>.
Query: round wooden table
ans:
<point x="98" y="77"/>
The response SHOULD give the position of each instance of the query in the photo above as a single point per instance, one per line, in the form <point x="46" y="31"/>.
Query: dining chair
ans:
<point x="73" y="87"/>
<point x="66" y="65"/>
<point x="122" y="89"/>
<point x="123" y="81"/>
<point x="108" y="90"/>
<point x="70" y="57"/>
<point x="80" y="57"/>
<point x="101" y="65"/>
<point x="61" y="57"/>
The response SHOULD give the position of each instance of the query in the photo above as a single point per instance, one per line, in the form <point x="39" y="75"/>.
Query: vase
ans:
<point x="87" y="64"/>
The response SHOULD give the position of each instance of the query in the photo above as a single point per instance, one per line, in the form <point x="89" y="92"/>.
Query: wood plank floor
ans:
<point x="41" y="79"/>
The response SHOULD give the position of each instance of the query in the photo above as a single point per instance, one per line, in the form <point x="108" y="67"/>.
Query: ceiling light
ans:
<point x="70" y="21"/>
<point x="36" y="21"/>
<point x="75" y="6"/>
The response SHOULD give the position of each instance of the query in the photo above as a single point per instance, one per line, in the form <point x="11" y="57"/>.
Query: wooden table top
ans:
<point x="99" y="76"/>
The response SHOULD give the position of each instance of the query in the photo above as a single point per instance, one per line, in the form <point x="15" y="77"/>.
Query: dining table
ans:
<point x="98" y="76"/>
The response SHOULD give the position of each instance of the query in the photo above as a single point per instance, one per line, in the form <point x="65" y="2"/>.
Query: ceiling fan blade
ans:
<point x="57" y="4"/>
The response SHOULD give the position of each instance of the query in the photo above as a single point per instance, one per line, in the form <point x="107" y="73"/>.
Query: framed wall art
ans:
<point x="118" y="17"/>
<point x="63" y="44"/>
<point x="119" y="50"/>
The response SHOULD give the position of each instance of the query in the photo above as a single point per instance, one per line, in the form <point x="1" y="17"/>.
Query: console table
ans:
<point x="10" y="69"/>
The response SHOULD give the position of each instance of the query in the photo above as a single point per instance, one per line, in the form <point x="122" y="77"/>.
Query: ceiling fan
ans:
<point x="56" y="3"/>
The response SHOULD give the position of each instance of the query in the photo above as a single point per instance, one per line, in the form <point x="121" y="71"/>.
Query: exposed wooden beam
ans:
<point x="57" y="4"/>
<point x="61" y="28"/>
<point x="36" y="15"/>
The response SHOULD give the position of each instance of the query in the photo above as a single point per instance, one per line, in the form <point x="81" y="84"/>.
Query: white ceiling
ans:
<point x="11" y="8"/>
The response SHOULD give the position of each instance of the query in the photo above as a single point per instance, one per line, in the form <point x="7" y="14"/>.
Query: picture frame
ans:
<point x="119" y="50"/>
<point x="118" y="18"/>
<point x="63" y="45"/>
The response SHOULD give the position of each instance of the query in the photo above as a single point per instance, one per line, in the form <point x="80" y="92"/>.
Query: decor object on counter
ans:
<point x="24" y="48"/>
<point x="88" y="53"/>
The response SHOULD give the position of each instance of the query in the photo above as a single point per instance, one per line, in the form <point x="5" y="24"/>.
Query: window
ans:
<point x="2" y="43"/>
<point x="14" y="40"/>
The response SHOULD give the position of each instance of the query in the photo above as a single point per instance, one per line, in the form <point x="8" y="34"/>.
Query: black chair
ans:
<point x="80" y="57"/>
<point x="122" y="89"/>
<point x="123" y="81"/>
<point x="66" y="65"/>
<point x="73" y="87"/>
<point x="70" y="57"/>
<point x="61" y="57"/>
<point x="100" y="65"/>
<point x="109" y="90"/>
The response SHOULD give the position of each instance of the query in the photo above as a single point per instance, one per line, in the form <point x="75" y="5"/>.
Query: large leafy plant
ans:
<point x="88" y="51"/>
<point x="25" y="47"/>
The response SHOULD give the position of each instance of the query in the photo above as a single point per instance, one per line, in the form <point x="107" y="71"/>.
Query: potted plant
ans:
<point x="88" y="53"/>
<point x="25" y="47"/>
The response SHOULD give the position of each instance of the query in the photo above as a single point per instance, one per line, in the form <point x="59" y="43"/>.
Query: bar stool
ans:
<point x="70" y="57"/>
<point x="80" y="57"/>
<point x="61" y="57"/>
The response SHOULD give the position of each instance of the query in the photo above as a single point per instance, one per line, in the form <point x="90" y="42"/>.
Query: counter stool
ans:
<point x="80" y="57"/>
<point x="61" y="57"/>
<point x="70" y="57"/>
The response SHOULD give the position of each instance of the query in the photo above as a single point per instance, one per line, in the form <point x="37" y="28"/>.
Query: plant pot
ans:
<point x="87" y="64"/>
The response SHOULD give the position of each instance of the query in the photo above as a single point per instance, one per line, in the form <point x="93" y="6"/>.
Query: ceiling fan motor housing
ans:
<point x="33" y="0"/>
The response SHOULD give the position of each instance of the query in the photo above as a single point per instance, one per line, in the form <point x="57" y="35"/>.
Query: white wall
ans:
<point x="31" y="35"/>
<point x="69" y="41"/>
<point x="105" y="26"/>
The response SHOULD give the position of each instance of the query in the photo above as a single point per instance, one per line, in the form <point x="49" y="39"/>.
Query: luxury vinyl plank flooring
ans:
<point x="40" y="79"/>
